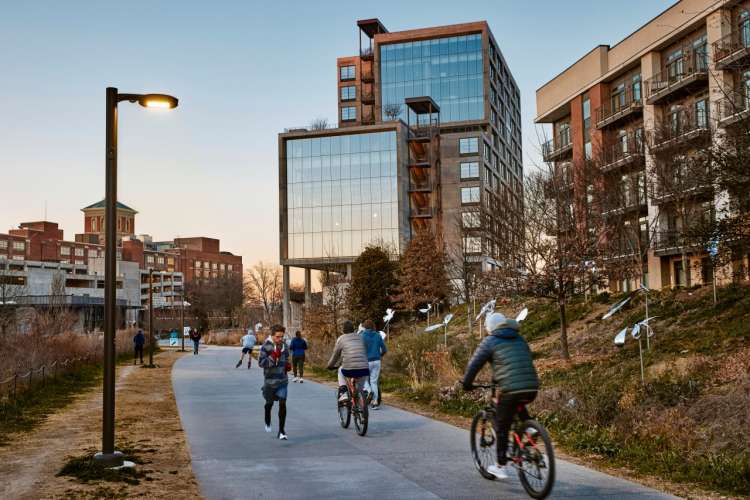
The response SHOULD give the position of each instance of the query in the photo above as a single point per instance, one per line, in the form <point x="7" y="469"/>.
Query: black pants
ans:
<point x="138" y="354"/>
<point x="298" y="365"/>
<point x="282" y="413"/>
<point x="504" y="411"/>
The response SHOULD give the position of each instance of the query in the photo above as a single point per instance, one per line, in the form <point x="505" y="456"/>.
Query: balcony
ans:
<point x="421" y="212"/>
<point x="733" y="108"/>
<point x="558" y="148"/>
<point x="679" y="128"/>
<point x="682" y="76"/>
<point x="623" y="153"/>
<point x="367" y="75"/>
<point x="368" y="97"/>
<point x="732" y="50"/>
<point x="626" y="202"/>
<point x="621" y="107"/>
<point x="670" y="243"/>
<point x="366" y="54"/>
<point x="424" y="186"/>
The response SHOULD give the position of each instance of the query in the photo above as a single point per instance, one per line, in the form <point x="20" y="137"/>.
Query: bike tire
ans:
<point x="361" y="413"/>
<point x="474" y="438"/>
<point x="344" y="410"/>
<point x="538" y="491"/>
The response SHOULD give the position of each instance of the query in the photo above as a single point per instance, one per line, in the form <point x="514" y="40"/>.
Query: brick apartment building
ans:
<point x="428" y="136"/>
<point x="667" y="83"/>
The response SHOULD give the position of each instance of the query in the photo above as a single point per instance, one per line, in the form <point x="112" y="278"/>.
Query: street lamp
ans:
<point x="108" y="454"/>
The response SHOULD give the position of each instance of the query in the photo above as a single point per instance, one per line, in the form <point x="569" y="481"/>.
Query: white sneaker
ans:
<point x="282" y="436"/>
<point x="498" y="471"/>
<point x="301" y="381"/>
<point x="343" y="398"/>
<point x="268" y="428"/>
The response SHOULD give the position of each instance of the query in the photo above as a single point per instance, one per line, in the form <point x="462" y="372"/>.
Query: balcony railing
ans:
<point x="421" y="212"/>
<point x="620" y="106"/>
<point x="557" y="148"/>
<point x="622" y="153"/>
<point x="368" y="97"/>
<point x="680" y="75"/>
<point x="367" y="75"/>
<point x="366" y="53"/>
<point x="420" y="186"/>
<point x="732" y="48"/>
<point x="734" y="107"/>
<point x="679" y="128"/>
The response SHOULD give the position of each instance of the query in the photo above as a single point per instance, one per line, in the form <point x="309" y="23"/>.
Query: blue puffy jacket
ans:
<point x="374" y="345"/>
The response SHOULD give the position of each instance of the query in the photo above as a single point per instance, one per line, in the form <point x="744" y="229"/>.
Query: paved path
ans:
<point x="403" y="456"/>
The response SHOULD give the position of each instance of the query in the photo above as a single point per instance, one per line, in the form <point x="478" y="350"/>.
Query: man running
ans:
<point x="514" y="374"/>
<point x="274" y="359"/>
<point x="138" y="341"/>
<point x="248" y="341"/>
<point x="350" y="353"/>
<point x="298" y="346"/>
<point x="375" y="350"/>
<point x="195" y="336"/>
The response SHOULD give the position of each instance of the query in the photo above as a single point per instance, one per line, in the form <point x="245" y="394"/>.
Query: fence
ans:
<point x="13" y="386"/>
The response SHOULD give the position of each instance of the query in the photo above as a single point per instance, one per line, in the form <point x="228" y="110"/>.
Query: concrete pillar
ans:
<point x="308" y="287"/>
<point x="285" y="300"/>
<point x="349" y="272"/>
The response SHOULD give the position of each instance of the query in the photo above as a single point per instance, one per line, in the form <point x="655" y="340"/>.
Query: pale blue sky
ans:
<point x="242" y="71"/>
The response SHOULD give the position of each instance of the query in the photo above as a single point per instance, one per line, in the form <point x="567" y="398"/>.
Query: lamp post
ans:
<point x="108" y="454"/>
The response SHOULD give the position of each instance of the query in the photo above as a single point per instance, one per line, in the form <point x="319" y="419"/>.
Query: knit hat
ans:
<point x="493" y="321"/>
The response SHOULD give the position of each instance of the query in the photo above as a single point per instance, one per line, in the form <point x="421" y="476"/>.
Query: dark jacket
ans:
<point x="374" y="345"/>
<point x="139" y="339"/>
<point x="274" y="370"/>
<point x="512" y="367"/>
<point x="195" y="336"/>
<point x="298" y="346"/>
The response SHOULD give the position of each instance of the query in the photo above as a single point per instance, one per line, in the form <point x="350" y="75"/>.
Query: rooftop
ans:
<point x="100" y="204"/>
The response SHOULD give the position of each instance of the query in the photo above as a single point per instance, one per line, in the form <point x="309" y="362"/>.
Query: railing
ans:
<point x="669" y="239"/>
<point x="676" y="72"/>
<point x="632" y="147"/>
<point x="368" y="97"/>
<point x="366" y="53"/>
<point x="421" y="211"/>
<point x="367" y="75"/>
<point x="619" y="106"/>
<point x="731" y="45"/>
<point x="420" y="186"/>
<point x="557" y="146"/>
<point x="13" y="386"/>
<point x="679" y="127"/>
<point x="734" y="105"/>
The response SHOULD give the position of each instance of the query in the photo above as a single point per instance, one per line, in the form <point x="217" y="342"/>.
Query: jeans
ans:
<point x="372" y="384"/>
<point x="195" y="346"/>
<point x="504" y="411"/>
<point x="298" y="365"/>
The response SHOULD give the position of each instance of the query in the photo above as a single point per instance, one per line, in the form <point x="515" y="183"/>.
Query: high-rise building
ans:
<point x="673" y="82"/>
<point x="428" y="134"/>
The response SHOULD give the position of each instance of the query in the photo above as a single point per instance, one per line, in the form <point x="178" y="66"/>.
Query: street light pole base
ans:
<point x="150" y="366"/>
<point x="112" y="459"/>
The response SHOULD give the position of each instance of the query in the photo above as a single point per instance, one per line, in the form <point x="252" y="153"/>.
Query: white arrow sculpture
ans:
<point x="523" y="314"/>
<point x="616" y="308"/>
<point x="487" y="308"/>
<point x="447" y="319"/>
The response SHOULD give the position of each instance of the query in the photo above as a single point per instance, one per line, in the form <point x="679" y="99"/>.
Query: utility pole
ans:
<point x="182" y="317"/>
<point x="150" y="317"/>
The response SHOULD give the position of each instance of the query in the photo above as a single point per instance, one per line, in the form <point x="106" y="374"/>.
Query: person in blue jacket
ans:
<point x="375" y="351"/>
<point x="298" y="346"/>
<point x="138" y="341"/>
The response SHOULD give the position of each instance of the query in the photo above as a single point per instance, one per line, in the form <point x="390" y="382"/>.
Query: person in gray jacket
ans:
<point x="514" y="374"/>
<point x="350" y="352"/>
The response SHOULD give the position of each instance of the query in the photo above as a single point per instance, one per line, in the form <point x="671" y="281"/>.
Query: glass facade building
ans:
<point x="447" y="69"/>
<point x="341" y="194"/>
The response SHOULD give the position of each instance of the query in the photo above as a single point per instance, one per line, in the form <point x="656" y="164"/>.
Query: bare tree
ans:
<point x="319" y="124"/>
<point x="263" y="287"/>
<point x="12" y="288"/>
<point x="392" y="111"/>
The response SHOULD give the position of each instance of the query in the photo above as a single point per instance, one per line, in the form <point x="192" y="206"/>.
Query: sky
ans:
<point x="243" y="72"/>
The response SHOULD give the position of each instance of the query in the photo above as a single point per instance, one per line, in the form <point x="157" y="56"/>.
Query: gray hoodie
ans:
<point x="350" y="352"/>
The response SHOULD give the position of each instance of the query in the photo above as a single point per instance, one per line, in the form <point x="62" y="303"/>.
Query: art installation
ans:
<point x="616" y="308"/>
<point x="487" y="308"/>
<point x="523" y="314"/>
<point x="447" y="319"/>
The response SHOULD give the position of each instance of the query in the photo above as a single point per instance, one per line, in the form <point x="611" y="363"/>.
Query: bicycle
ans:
<point x="359" y="408"/>
<point x="530" y="449"/>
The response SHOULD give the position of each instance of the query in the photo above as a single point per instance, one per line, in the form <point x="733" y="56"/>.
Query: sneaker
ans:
<point x="294" y="379"/>
<point x="238" y="364"/>
<point x="375" y="406"/>
<point x="282" y="436"/>
<point x="301" y="381"/>
<point x="498" y="471"/>
<point x="268" y="428"/>
<point x="343" y="398"/>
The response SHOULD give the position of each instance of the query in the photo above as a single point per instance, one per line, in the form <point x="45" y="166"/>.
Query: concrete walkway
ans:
<point x="403" y="456"/>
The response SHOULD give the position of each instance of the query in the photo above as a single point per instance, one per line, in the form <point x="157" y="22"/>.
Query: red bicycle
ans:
<point x="530" y="449"/>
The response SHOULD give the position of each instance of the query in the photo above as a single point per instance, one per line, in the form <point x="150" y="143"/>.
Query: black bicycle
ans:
<point x="530" y="449"/>
<point x="355" y="405"/>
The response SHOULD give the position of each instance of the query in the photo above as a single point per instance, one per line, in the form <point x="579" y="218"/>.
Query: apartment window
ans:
<point x="229" y="267"/>
<point x="79" y="252"/>
<point x="470" y="195"/>
<point x="488" y="176"/>
<point x="470" y="220"/>
<point x="487" y="152"/>
<point x="700" y="54"/>
<point x="93" y="224"/>
<point x="744" y="27"/>
<point x="347" y="73"/>
<point x="222" y="267"/>
<point x="473" y="244"/>
<point x="160" y="260"/>
<point x="618" y="97"/>
<point x="701" y="114"/>
<point x="470" y="170"/>
<point x="19" y="245"/>
<point x="3" y="244"/>
<point x="675" y="65"/>
<point x="348" y="93"/>
<point x="170" y="261"/>
<point x="636" y="88"/>
<point x="586" y="126"/>
<point x="214" y="265"/>
<point x="349" y="113"/>
<point x="64" y="250"/>
<point x="149" y="259"/>
<point x="468" y="145"/>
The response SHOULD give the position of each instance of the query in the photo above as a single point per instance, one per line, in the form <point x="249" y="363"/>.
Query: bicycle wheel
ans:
<point x="537" y="468"/>
<point x="345" y="409"/>
<point x="361" y="413"/>
<point x="483" y="441"/>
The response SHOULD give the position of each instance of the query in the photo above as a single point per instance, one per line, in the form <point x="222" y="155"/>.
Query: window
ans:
<point x="636" y="87"/>
<point x="347" y="73"/>
<point x="700" y="54"/>
<point x="470" y="170"/>
<point x="349" y="113"/>
<point x="222" y="267"/>
<point x="79" y="252"/>
<point x="19" y="245"/>
<point x="229" y="267"/>
<point x="473" y="244"/>
<point x="170" y="261"/>
<point x="160" y="260"/>
<point x="744" y="28"/>
<point x="348" y="93"/>
<point x="93" y="224"/>
<point x="3" y="244"/>
<point x="701" y="114"/>
<point x="618" y="98"/>
<point x="468" y="145"/>
<point x="64" y="250"/>
<point x="470" y="195"/>
<point x="587" y="149"/>
<point x="487" y="152"/>
<point x="675" y="66"/>
<point x="488" y="176"/>
<point x="213" y="265"/>
<point x="470" y="220"/>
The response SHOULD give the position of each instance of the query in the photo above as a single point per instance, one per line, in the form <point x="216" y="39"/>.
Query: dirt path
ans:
<point x="146" y="417"/>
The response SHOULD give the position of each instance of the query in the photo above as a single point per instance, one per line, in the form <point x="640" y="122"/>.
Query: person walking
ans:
<point x="350" y="353"/>
<point x="274" y="359"/>
<point x="139" y="339"/>
<point x="195" y="336"/>
<point x="248" y="341"/>
<point x="298" y="346"/>
<point x="375" y="350"/>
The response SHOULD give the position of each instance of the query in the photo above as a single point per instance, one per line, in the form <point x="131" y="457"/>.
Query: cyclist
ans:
<point x="514" y="374"/>
<point x="351" y="354"/>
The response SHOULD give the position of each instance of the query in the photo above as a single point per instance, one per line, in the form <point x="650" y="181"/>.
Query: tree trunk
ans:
<point x="563" y="330"/>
